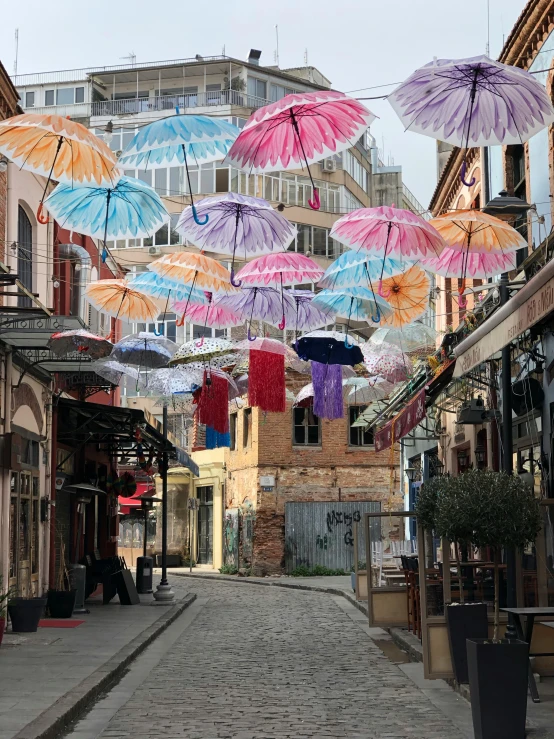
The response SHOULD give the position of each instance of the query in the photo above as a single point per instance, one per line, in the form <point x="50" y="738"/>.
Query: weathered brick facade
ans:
<point x="333" y="471"/>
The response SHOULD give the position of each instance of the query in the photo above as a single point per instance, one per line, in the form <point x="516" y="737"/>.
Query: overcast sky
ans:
<point x="355" y="43"/>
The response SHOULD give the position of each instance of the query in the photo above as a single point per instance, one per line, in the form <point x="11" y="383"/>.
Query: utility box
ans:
<point x="144" y="574"/>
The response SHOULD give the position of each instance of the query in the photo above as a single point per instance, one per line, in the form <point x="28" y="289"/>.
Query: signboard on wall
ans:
<point x="401" y="424"/>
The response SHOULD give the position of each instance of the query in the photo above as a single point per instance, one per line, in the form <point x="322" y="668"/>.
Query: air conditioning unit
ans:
<point x="154" y="251"/>
<point x="329" y="165"/>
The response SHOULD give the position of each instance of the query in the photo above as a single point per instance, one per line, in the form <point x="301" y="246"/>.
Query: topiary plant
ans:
<point x="426" y="503"/>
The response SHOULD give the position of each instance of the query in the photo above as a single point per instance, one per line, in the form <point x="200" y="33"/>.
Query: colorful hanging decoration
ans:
<point x="327" y="384"/>
<point x="213" y="403"/>
<point x="408" y="294"/>
<point x="117" y="298"/>
<point x="266" y="381"/>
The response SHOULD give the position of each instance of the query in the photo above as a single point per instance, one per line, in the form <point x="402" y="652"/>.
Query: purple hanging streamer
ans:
<point x="327" y="382"/>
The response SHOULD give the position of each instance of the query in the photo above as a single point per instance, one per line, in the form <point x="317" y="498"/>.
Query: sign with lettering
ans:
<point x="401" y="424"/>
<point x="535" y="308"/>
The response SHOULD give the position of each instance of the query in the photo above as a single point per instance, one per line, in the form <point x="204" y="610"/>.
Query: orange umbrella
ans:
<point x="57" y="148"/>
<point x="408" y="294"/>
<point x="474" y="232"/>
<point x="198" y="270"/>
<point x="117" y="298"/>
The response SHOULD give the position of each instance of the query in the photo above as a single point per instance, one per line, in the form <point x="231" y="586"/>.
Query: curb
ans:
<point x="51" y="723"/>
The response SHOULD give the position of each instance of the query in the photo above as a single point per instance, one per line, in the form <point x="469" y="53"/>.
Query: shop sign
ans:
<point x="535" y="308"/>
<point x="402" y="424"/>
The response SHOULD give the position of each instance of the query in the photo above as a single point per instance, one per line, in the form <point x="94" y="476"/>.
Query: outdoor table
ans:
<point x="530" y="614"/>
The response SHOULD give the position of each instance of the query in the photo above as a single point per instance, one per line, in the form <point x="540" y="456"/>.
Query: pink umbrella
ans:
<point x="213" y="315"/>
<point x="298" y="130"/>
<point x="388" y="232"/>
<point x="283" y="268"/>
<point x="391" y="366"/>
<point x="454" y="263"/>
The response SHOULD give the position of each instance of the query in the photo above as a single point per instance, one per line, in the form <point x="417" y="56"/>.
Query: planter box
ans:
<point x="468" y="621"/>
<point x="25" y="613"/>
<point x="498" y="686"/>
<point x="61" y="603"/>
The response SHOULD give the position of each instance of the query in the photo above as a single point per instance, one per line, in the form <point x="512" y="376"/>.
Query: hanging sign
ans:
<point x="401" y="424"/>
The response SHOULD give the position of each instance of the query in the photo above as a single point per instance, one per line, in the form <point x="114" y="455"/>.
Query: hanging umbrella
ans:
<point x="270" y="346"/>
<point x="361" y="390"/>
<point x="81" y="340"/>
<point x="127" y="210"/>
<point x="165" y="288"/>
<point x="328" y="347"/>
<point x="390" y="364"/>
<point x="59" y="149"/>
<point x="211" y="315"/>
<point x="305" y="394"/>
<point x="284" y="268"/>
<point x="177" y="139"/>
<point x="113" y="371"/>
<point x="182" y="403"/>
<point x="173" y="380"/>
<point x="238" y="225"/>
<point x="408" y="295"/>
<point x="297" y="131"/>
<point x="409" y="338"/>
<point x="388" y="231"/>
<point x="473" y="102"/>
<point x="117" y="298"/>
<point x="354" y="304"/>
<point x="474" y="232"/>
<point x="370" y="413"/>
<point x="197" y="270"/>
<point x="452" y="263"/>
<point x="307" y="315"/>
<point x="359" y="269"/>
<point x="192" y="351"/>
<point x="144" y="349"/>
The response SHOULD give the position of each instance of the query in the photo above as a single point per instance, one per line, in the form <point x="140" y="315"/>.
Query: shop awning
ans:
<point x="532" y="304"/>
<point x="35" y="332"/>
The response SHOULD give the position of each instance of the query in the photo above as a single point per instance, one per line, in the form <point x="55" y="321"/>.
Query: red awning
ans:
<point x="126" y="505"/>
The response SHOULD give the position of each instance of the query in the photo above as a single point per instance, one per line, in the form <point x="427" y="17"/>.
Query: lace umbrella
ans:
<point x="194" y="351"/>
<point x="392" y="366"/>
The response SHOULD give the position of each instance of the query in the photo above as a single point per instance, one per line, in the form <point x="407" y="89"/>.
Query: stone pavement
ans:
<point x="268" y="663"/>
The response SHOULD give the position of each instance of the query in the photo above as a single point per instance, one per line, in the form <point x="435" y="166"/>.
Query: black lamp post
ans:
<point x="412" y="473"/>
<point x="506" y="207"/>
<point x="164" y="593"/>
<point x="480" y="456"/>
<point x="462" y="459"/>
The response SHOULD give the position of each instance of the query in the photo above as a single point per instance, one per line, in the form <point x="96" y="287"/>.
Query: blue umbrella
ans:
<point x="328" y="347"/>
<point x="128" y="210"/>
<point x="359" y="268"/>
<point x="172" y="141"/>
<point x="354" y="304"/>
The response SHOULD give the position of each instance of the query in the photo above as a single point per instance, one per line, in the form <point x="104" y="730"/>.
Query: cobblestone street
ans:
<point x="255" y="661"/>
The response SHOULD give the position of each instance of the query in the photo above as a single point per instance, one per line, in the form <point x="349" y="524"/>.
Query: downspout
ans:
<point x="5" y="510"/>
<point x="80" y="254"/>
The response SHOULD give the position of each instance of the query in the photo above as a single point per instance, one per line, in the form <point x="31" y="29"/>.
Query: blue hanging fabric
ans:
<point x="215" y="440"/>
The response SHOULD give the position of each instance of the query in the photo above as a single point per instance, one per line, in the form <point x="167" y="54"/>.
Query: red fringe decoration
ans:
<point x="266" y="381"/>
<point x="213" y="404"/>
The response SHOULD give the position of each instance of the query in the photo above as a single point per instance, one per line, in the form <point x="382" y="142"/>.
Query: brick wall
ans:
<point x="332" y="471"/>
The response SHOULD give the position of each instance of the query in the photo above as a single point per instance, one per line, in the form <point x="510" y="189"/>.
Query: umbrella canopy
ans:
<point x="307" y="315"/>
<point x="409" y="338"/>
<point x="361" y="390"/>
<point x="113" y="371"/>
<point x="81" y="340"/>
<point x="299" y="129"/>
<point x="328" y="347"/>
<point x="156" y="286"/>
<point x="393" y="366"/>
<point x="454" y="263"/>
<point x="284" y="268"/>
<point x="59" y="149"/>
<point x="193" y="351"/>
<point x="117" y="298"/>
<point x="272" y="346"/>
<point x="353" y="303"/>
<point x="359" y="268"/>
<point x="174" y="380"/>
<point x="408" y="295"/>
<point x="144" y="349"/>
<point x="239" y="225"/>
<point x="197" y="270"/>
<point x="128" y="210"/>
<point x="212" y="315"/>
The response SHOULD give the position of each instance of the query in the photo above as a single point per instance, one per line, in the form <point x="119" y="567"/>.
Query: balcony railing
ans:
<point x="161" y="103"/>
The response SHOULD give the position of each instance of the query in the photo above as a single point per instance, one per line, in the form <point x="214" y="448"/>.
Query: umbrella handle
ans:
<point x="283" y="324"/>
<point x="377" y="318"/>
<point x="42" y="214"/>
<point x="346" y="344"/>
<point x="238" y="283"/>
<point x="197" y="220"/>
<point x="250" y="337"/>
<point x="199" y="343"/>
<point x="158" y="333"/>
<point x="315" y="204"/>
<point x="180" y="321"/>
<point x="382" y="292"/>
<point x="463" y="176"/>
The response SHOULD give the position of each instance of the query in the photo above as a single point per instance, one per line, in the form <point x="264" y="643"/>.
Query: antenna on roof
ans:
<point x="132" y="57"/>
<point x="276" y="55"/>
<point x="306" y="57"/>
<point x="16" y="52"/>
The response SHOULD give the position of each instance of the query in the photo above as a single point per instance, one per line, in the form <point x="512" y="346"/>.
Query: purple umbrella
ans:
<point x="268" y="305"/>
<point x="473" y="102"/>
<point x="238" y="224"/>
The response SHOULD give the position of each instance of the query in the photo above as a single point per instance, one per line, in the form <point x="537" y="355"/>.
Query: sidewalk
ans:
<point x="49" y="674"/>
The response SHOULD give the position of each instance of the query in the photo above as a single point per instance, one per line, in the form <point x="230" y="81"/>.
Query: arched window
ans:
<point x="24" y="255"/>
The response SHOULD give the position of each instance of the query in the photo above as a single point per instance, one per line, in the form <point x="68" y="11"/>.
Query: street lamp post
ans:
<point x="164" y="593"/>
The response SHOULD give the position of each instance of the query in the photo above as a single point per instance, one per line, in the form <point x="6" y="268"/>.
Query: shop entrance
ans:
<point x="205" y="496"/>
<point x="24" y="532"/>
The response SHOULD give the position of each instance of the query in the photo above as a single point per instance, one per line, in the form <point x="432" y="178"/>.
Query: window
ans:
<point x="213" y="94"/>
<point x="65" y="96"/>
<point x="29" y="99"/>
<point x="79" y="94"/>
<point x="49" y="97"/>
<point x="257" y="88"/>
<point x="247" y="427"/>
<point x="233" y="431"/>
<point x="24" y="255"/>
<point x="358" y="436"/>
<point x="307" y="427"/>
<point x="516" y="154"/>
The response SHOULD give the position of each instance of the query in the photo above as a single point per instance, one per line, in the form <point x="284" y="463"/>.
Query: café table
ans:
<point x="530" y="614"/>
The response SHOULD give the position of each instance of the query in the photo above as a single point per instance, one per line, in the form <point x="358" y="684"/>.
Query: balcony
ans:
<point x="159" y="104"/>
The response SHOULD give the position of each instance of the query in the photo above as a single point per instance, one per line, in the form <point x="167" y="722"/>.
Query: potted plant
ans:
<point x="25" y="613"/>
<point x="454" y="517"/>
<point x="506" y="516"/>
<point x="61" y="599"/>
<point x="4" y="598"/>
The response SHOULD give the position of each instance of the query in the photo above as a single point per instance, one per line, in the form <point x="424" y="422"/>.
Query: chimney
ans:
<point x="254" y="57"/>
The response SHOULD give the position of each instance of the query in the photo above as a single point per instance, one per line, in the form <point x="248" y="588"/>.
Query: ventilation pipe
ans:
<point x="79" y="254"/>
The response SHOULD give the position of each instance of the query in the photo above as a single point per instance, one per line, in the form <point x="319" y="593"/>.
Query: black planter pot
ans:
<point x="467" y="621"/>
<point x="61" y="603"/>
<point x="25" y="613"/>
<point x="498" y="686"/>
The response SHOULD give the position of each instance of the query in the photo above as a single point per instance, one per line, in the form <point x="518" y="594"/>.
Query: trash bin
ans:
<point x="144" y="574"/>
<point x="78" y="579"/>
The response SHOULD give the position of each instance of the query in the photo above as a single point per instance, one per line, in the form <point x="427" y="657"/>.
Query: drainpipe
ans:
<point x="5" y="509"/>
<point x="80" y="254"/>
